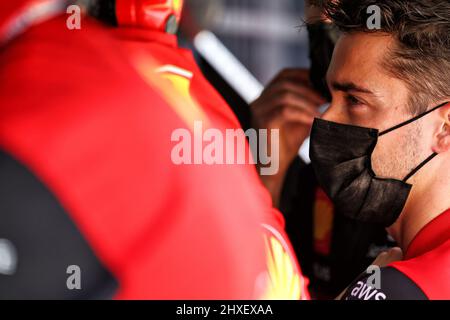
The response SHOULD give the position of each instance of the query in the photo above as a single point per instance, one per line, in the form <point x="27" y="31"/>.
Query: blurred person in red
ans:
<point x="91" y="204"/>
<point x="147" y="28"/>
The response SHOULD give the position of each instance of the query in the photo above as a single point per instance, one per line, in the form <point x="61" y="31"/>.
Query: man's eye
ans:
<point x="352" y="101"/>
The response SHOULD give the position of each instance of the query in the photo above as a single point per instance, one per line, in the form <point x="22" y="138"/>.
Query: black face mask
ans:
<point x="341" y="158"/>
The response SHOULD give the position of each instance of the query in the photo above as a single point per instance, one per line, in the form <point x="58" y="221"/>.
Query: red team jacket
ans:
<point x="427" y="260"/>
<point x="423" y="274"/>
<point x="85" y="129"/>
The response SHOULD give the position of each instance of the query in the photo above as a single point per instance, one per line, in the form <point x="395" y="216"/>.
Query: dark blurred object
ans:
<point x="104" y="10"/>
<point x="47" y="242"/>
<point x="322" y="39"/>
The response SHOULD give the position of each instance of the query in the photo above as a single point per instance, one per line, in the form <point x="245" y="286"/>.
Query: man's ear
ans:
<point x="443" y="137"/>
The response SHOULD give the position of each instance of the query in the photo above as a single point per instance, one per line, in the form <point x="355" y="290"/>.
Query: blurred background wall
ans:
<point x="265" y="35"/>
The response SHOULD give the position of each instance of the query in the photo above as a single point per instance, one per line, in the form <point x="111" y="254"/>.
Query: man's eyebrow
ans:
<point x="349" y="86"/>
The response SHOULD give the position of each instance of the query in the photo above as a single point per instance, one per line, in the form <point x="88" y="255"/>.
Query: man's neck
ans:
<point x="422" y="207"/>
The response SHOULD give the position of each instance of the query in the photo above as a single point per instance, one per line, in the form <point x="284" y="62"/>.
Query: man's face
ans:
<point x="365" y="94"/>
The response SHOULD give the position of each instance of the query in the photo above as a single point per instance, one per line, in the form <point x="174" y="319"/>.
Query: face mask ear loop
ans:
<point x="420" y="166"/>
<point x="412" y="120"/>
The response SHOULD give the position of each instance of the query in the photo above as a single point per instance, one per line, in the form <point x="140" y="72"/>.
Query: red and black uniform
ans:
<point x="423" y="274"/>
<point x="86" y="180"/>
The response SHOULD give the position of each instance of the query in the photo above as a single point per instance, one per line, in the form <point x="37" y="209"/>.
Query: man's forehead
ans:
<point x="360" y="54"/>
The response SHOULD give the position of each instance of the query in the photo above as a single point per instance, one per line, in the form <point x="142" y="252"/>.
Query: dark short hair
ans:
<point x="421" y="28"/>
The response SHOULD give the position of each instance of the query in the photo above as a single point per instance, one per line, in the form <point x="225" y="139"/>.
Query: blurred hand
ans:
<point x="289" y="104"/>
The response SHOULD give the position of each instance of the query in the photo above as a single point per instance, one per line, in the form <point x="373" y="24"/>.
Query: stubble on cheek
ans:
<point x="398" y="153"/>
